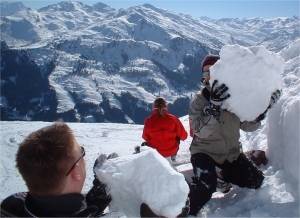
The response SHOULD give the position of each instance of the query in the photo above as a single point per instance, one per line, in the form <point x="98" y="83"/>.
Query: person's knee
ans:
<point x="253" y="176"/>
<point x="243" y="173"/>
<point x="256" y="180"/>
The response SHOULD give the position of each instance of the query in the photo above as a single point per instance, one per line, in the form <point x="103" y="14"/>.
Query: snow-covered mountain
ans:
<point x="96" y="64"/>
<point x="10" y="8"/>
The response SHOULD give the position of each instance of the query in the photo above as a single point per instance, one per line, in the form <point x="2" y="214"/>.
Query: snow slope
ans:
<point x="275" y="198"/>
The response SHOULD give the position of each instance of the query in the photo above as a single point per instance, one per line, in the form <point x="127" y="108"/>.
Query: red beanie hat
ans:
<point x="209" y="60"/>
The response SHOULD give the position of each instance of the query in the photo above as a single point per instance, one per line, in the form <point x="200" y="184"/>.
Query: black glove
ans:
<point x="261" y="117"/>
<point x="112" y="155"/>
<point x="99" y="162"/>
<point x="96" y="182"/>
<point x="186" y="209"/>
<point x="212" y="110"/>
<point x="98" y="196"/>
<point x="274" y="98"/>
<point x="144" y="144"/>
<point x="102" y="158"/>
<point x="218" y="93"/>
<point x="137" y="149"/>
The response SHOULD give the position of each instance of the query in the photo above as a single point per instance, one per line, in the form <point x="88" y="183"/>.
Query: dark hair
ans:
<point x="160" y="103"/>
<point x="209" y="60"/>
<point x="44" y="156"/>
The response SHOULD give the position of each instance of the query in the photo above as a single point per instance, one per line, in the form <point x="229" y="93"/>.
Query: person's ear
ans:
<point x="76" y="173"/>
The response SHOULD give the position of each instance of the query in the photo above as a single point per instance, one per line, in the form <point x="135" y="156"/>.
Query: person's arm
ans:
<point x="98" y="196"/>
<point x="181" y="133"/>
<point x="202" y="123"/>
<point x="274" y="98"/>
<point x="250" y="126"/>
<point x="145" y="135"/>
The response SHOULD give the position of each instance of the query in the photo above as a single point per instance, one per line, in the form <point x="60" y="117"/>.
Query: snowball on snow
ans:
<point x="252" y="74"/>
<point x="145" y="177"/>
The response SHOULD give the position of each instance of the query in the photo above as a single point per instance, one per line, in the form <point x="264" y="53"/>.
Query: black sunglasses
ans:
<point x="81" y="156"/>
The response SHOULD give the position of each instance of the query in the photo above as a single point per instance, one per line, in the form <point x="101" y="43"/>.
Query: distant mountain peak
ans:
<point x="9" y="8"/>
<point x="147" y="5"/>
<point x="99" y="6"/>
<point x="64" y="6"/>
<point x="153" y="8"/>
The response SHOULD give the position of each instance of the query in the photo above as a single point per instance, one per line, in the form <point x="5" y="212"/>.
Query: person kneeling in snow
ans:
<point x="52" y="164"/>
<point x="216" y="142"/>
<point x="163" y="131"/>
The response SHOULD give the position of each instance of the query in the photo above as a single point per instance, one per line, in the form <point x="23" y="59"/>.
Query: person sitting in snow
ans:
<point x="163" y="131"/>
<point x="52" y="165"/>
<point x="216" y="141"/>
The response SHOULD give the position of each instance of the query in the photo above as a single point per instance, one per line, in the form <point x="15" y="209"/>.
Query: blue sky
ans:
<point x="198" y="8"/>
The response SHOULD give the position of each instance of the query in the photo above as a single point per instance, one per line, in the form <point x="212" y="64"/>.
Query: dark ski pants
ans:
<point x="240" y="172"/>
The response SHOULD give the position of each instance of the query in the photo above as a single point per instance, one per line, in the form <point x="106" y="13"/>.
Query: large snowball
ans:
<point x="252" y="75"/>
<point x="145" y="177"/>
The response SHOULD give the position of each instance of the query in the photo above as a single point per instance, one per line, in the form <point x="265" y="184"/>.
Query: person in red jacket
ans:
<point x="163" y="131"/>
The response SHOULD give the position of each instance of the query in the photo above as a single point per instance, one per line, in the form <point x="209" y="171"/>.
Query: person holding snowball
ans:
<point x="216" y="143"/>
<point x="52" y="164"/>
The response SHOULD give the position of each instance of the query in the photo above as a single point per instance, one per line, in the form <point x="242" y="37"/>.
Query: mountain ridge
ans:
<point x="106" y="62"/>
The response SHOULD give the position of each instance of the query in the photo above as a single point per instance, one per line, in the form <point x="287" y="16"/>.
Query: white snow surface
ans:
<point x="131" y="177"/>
<point x="283" y="124"/>
<point x="275" y="198"/>
<point x="252" y="74"/>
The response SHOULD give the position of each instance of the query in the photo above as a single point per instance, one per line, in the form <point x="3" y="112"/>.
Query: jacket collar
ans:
<point x="61" y="205"/>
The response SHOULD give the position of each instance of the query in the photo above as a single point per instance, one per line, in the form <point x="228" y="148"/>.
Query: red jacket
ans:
<point x="163" y="133"/>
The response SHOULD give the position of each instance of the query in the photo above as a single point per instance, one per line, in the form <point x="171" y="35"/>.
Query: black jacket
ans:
<point x="24" y="204"/>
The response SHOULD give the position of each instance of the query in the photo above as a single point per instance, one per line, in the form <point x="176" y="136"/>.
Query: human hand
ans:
<point x="274" y="98"/>
<point x="112" y="155"/>
<point x="186" y="209"/>
<point x="102" y="158"/>
<point x="261" y="117"/>
<point x="144" y="144"/>
<point x="99" y="162"/>
<point x="211" y="109"/>
<point x="218" y="93"/>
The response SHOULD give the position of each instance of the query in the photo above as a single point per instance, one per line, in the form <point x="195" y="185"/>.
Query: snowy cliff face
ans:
<point x="9" y="8"/>
<point x="109" y="65"/>
<point x="284" y="120"/>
